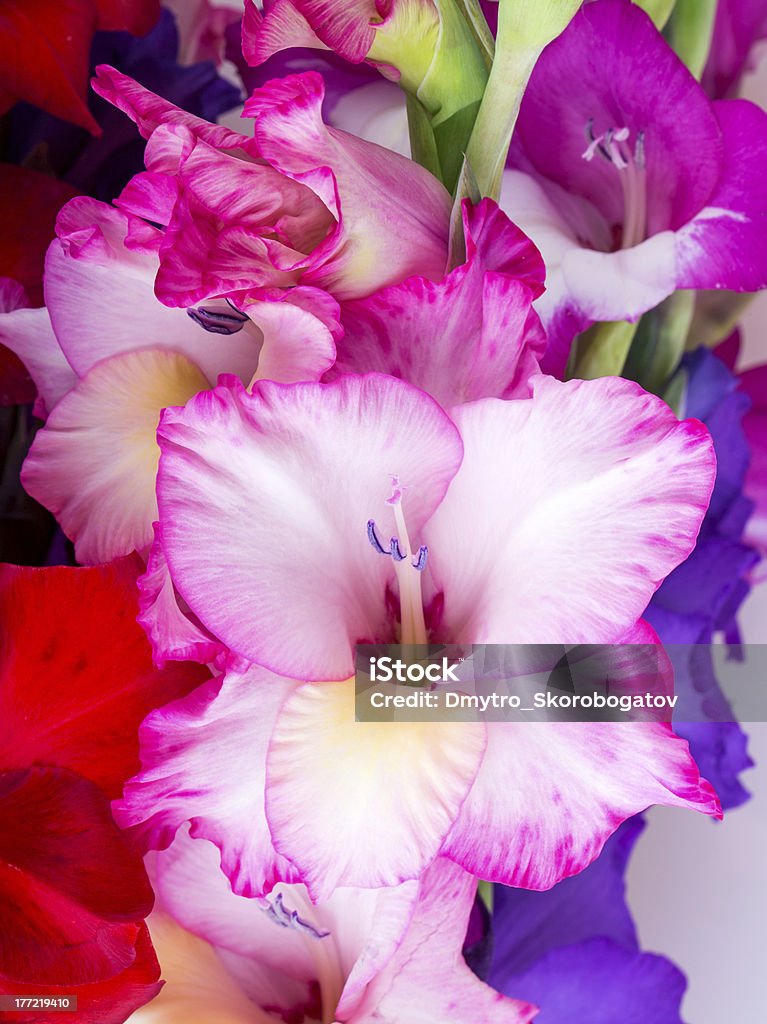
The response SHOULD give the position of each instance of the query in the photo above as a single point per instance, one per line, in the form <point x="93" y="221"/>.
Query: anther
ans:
<point x="396" y="550"/>
<point x="215" y="321"/>
<point x="373" y="538"/>
<point x="419" y="563"/>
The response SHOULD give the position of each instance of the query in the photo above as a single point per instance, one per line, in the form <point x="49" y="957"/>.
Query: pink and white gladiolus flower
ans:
<point x="296" y="203"/>
<point x="390" y="956"/>
<point x="550" y="519"/>
<point x="107" y="356"/>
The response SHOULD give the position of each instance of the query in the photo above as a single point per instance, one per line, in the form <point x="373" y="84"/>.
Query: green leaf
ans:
<point x="602" y="350"/>
<point x="690" y="31"/>
<point x="466" y="188"/>
<point x="485" y="893"/>
<point x="451" y="139"/>
<point x="423" y="145"/>
<point x="660" y="341"/>
<point x="659" y="10"/>
<point x="444" y="68"/>
<point x="475" y="17"/>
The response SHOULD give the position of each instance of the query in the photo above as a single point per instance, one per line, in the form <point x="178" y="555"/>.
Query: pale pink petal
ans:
<point x="427" y="980"/>
<point x="273" y="965"/>
<point x="100" y="294"/>
<point x="393" y="216"/>
<point x="94" y="462"/>
<point x="265" y="500"/>
<point x="29" y="334"/>
<point x="566" y="787"/>
<point x="204" y="760"/>
<point x="349" y="938"/>
<point x="568" y="511"/>
<point x="363" y="803"/>
<point x="296" y="346"/>
<point x="472" y="335"/>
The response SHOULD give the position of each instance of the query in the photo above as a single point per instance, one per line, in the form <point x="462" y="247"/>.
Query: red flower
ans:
<point x="76" y="680"/>
<point x="45" y="48"/>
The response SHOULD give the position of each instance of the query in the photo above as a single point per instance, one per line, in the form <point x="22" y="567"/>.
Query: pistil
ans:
<point x="408" y="566"/>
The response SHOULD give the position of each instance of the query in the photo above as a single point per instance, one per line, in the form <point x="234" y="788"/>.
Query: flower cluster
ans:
<point x="300" y="391"/>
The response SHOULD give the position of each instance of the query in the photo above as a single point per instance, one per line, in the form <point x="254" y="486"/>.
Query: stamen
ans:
<point x="373" y="538"/>
<point x="420" y="559"/>
<point x="217" y="322"/>
<point x="412" y="623"/>
<point x="285" y="918"/>
<point x="396" y="550"/>
<point x="631" y="167"/>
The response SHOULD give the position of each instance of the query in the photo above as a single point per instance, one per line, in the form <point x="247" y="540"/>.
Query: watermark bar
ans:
<point x="561" y="683"/>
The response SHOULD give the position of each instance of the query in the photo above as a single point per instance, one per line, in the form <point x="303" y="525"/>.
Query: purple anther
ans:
<point x="396" y="550"/>
<point x="373" y="538"/>
<point x="420" y="559"/>
<point x="216" y="321"/>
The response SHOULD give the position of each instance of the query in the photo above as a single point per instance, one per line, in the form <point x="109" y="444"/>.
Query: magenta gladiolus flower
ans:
<point x="364" y="956"/>
<point x="629" y="179"/>
<point x="550" y="519"/>
<point x="298" y="203"/>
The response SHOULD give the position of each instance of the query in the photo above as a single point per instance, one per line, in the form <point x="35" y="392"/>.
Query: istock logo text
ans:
<point x="383" y="670"/>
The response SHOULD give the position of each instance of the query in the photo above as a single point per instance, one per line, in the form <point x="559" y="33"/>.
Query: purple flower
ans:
<point x="573" y="950"/>
<point x="630" y="181"/>
<point x="703" y="594"/>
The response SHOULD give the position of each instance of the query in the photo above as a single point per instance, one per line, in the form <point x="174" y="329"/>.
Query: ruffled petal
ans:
<point x="585" y="285"/>
<point x="29" y="334"/>
<point x="392" y="215"/>
<point x="600" y="982"/>
<point x="198" y="986"/>
<point x="580" y="501"/>
<point x="99" y="288"/>
<point x="427" y="979"/>
<point x="173" y="631"/>
<point x="281" y="26"/>
<point x="472" y="335"/>
<point x="149" y="111"/>
<point x="588" y="78"/>
<point x="94" y="462"/>
<point x="264" y="504"/>
<point x="362" y="803"/>
<point x="566" y="788"/>
<point x="73" y="892"/>
<point x="204" y="762"/>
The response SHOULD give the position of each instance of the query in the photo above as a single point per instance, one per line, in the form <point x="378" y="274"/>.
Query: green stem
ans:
<point x="525" y="27"/>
